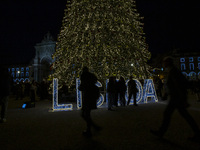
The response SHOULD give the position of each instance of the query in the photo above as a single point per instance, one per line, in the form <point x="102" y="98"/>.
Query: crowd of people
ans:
<point x="177" y="90"/>
<point x="117" y="89"/>
<point x="32" y="90"/>
<point x="176" y="86"/>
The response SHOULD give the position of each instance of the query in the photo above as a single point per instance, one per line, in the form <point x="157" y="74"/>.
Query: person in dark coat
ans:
<point x="115" y="102"/>
<point x="177" y="90"/>
<point x="132" y="90"/>
<point x="121" y="86"/>
<point x="111" y="90"/>
<point x="33" y="90"/>
<point x="5" y="86"/>
<point x="89" y="99"/>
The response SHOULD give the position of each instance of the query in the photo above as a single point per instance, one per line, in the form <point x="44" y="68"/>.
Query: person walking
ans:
<point x="132" y="90"/>
<point x="90" y="95"/>
<point x="5" y="85"/>
<point x="177" y="91"/>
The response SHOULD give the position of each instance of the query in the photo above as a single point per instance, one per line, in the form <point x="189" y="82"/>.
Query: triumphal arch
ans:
<point x="43" y="58"/>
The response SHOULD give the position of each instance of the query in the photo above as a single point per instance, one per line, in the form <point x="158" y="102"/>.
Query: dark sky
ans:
<point x="167" y="24"/>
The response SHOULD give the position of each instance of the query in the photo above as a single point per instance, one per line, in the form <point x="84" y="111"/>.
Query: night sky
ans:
<point x="167" y="23"/>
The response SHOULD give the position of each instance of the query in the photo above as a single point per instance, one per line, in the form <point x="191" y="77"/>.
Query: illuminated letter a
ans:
<point x="149" y="91"/>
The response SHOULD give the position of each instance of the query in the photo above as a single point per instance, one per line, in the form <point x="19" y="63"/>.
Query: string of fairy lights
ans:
<point x="105" y="35"/>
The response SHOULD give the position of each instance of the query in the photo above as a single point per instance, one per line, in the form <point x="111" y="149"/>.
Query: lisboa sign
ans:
<point x="146" y="93"/>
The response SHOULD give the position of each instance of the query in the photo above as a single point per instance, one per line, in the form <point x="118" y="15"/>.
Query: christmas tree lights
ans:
<point x="105" y="35"/>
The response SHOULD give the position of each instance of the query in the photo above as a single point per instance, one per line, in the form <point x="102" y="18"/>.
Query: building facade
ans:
<point x="20" y="73"/>
<point x="188" y="61"/>
<point x="39" y="68"/>
<point x="190" y="65"/>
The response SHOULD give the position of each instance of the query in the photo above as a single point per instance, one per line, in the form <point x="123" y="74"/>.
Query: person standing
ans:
<point x="177" y="91"/>
<point x="22" y="88"/>
<point x="132" y="90"/>
<point x="90" y="95"/>
<point x="197" y="89"/>
<point x="5" y="81"/>
<point x="111" y="90"/>
<point x="33" y="90"/>
<point x="17" y="90"/>
<point x="116" y="90"/>
<point x="122" y="90"/>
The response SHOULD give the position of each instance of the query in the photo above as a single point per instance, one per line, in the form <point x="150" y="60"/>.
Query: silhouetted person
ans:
<point x="177" y="91"/>
<point x="90" y="95"/>
<point x="43" y="90"/>
<point x="111" y="90"/>
<point x="122" y="90"/>
<point x="132" y="90"/>
<point x="115" y="103"/>
<point x="159" y="86"/>
<point x="17" y="90"/>
<point x="27" y="89"/>
<point x="22" y="88"/>
<point x="5" y="85"/>
<point x="33" y="90"/>
<point x="197" y="89"/>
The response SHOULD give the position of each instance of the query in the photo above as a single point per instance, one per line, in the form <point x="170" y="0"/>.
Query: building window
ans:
<point x="17" y="69"/>
<point x="27" y="68"/>
<point x="13" y="74"/>
<point x="27" y="74"/>
<point x="190" y="59"/>
<point x="22" y="74"/>
<point x="199" y="66"/>
<point x="191" y="66"/>
<point x="22" y="69"/>
<point x="198" y="58"/>
<point x="13" y="69"/>
<point x="17" y="74"/>
<point x="183" y="66"/>
<point x="182" y="59"/>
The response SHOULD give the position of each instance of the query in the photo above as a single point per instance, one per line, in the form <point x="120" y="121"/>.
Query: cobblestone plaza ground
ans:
<point x="125" y="128"/>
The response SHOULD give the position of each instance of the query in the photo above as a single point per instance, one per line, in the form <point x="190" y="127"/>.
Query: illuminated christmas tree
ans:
<point x="105" y="35"/>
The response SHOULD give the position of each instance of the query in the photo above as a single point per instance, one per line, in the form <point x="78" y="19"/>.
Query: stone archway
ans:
<point x="43" y="59"/>
<point x="45" y="68"/>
